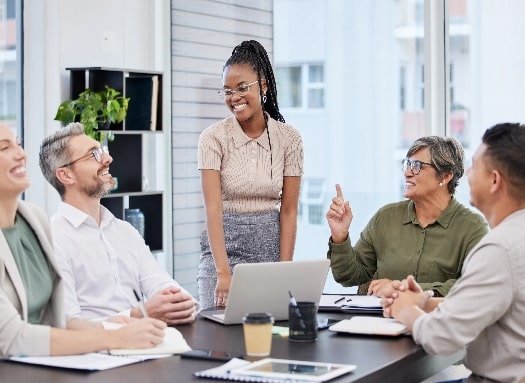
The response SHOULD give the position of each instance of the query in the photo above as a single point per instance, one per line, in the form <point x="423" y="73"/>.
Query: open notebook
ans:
<point x="263" y="287"/>
<point x="174" y="343"/>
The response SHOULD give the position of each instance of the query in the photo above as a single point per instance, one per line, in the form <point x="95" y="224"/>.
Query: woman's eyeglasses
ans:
<point x="242" y="90"/>
<point x="414" y="165"/>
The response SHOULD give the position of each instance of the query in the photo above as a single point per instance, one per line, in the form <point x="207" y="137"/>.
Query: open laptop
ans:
<point x="263" y="287"/>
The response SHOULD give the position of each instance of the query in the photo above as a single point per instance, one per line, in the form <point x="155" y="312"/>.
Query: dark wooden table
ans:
<point x="378" y="359"/>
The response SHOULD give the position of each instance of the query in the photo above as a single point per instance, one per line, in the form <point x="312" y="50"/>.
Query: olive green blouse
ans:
<point x="394" y="245"/>
<point x="32" y="266"/>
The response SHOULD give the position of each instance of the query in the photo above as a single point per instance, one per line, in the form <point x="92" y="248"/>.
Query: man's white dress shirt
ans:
<point x="102" y="265"/>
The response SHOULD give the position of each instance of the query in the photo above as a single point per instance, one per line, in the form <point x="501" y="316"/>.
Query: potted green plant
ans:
<point x="96" y="111"/>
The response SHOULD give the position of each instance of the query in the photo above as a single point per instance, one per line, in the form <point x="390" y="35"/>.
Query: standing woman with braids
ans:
<point x="251" y="166"/>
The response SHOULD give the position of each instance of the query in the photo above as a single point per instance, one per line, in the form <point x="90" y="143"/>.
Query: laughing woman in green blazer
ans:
<point x="428" y="234"/>
<point x="31" y="290"/>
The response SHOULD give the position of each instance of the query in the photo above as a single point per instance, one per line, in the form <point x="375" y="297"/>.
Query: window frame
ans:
<point x="436" y="68"/>
<point x="306" y="85"/>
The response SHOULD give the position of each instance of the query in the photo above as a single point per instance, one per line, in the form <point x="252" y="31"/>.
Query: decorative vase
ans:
<point x="136" y="218"/>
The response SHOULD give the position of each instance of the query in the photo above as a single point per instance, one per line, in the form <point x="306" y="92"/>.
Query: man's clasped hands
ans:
<point x="405" y="301"/>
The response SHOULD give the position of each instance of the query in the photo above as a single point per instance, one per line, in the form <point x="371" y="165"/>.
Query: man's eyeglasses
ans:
<point x="414" y="165"/>
<point x="241" y="90"/>
<point x="97" y="154"/>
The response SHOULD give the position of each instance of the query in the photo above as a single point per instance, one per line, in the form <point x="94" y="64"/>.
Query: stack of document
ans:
<point x="353" y="304"/>
<point x="364" y="302"/>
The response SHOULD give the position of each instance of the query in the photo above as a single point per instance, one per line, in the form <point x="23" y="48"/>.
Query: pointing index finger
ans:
<point x="339" y="192"/>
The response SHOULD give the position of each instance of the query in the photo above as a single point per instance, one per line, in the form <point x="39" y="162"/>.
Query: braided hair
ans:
<point x="252" y="53"/>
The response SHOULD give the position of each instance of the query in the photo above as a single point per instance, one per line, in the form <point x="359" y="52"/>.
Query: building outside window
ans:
<point x="9" y="94"/>
<point x="373" y="55"/>
<point x="300" y="86"/>
<point x="312" y="200"/>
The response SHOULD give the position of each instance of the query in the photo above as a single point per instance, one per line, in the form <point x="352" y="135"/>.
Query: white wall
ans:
<point x="204" y="33"/>
<point x="129" y="34"/>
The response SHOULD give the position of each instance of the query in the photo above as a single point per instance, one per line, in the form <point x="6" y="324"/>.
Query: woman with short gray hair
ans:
<point x="427" y="235"/>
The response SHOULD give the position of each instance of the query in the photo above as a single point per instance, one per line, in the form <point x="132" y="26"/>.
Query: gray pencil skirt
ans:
<point x="249" y="238"/>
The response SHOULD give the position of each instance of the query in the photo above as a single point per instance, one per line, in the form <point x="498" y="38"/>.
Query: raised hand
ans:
<point x="339" y="216"/>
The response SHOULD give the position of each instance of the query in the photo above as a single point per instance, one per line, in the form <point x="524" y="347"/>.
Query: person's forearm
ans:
<point x="408" y="315"/>
<point x="288" y="234"/>
<point x="431" y="304"/>
<point x="339" y="238"/>
<point x="215" y="230"/>
<point x="346" y="270"/>
<point x="211" y="188"/>
<point x="64" y="342"/>
<point x="81" y="324"/>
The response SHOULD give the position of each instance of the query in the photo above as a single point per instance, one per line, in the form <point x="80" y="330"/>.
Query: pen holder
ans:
<point x="302" y="322"/>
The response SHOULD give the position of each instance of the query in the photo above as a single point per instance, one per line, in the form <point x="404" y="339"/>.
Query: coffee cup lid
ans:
<point x="258" y="318"/>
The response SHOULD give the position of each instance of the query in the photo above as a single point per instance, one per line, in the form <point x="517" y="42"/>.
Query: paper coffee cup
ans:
<point x="257" y="329"/>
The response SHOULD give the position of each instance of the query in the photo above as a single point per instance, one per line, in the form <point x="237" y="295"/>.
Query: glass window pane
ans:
<point x="315" y="98"/>
<point x="8" y="63"/>
<point x="315" y="73"/>
<point x="372" y="110"/>
<point x="290" y="86"/>
<point x="487" y="57"/>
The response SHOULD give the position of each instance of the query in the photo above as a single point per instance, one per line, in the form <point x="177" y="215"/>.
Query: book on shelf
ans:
<point x="154" y="102"/>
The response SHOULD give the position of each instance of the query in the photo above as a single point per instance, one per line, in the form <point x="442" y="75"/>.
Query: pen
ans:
<point x="292" y="299"/>
<point x="293" y="302"/>
<point x="141" y="304"/>
<point x="339" y="300"/>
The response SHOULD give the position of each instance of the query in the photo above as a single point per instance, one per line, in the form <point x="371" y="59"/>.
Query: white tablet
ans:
<point x="299" y="370"/>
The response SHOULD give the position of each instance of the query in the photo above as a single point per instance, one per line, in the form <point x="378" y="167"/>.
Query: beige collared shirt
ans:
<point x="252" y="170"/>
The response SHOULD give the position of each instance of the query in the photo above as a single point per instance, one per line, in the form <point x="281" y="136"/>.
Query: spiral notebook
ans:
<point x="270" y="370"/>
